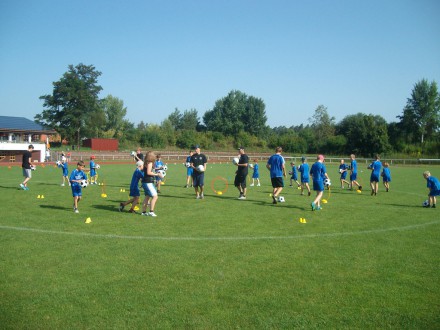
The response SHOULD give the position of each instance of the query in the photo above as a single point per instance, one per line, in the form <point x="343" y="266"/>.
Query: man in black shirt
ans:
<point x="198" y="163"/>
<point x="26" y="166"/>
<point x="241" y="174"/>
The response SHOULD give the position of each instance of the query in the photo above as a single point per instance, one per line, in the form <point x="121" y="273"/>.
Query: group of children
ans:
<point x="149" y="173"/>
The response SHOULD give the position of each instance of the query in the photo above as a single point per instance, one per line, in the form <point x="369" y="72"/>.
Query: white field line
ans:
<point x="243" y="238"/>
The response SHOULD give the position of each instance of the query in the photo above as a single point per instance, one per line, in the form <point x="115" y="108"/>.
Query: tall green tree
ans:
<point x="237" y="112"/>
<point x="74" y="100"/>
<point x="323" y="126"/>
<point x="115" y="113"/>
<point x="421" y="115"/>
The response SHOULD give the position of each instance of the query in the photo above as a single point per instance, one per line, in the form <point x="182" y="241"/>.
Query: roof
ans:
<point x="8" y="123"/>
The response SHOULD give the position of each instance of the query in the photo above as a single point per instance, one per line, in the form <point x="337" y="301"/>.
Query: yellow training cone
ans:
<point x="103" y="195"/>
<point x="42" y="196"/>
<point x="324" y="201"/>
<point x="88" y="220"/>
<point x="219" y="193"/>
<point x="38" y="196"/>
<point x="358" y="191"/>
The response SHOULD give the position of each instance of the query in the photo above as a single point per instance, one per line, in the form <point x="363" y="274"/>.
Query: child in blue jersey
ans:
<point x="158" y="165"/>
<point x="63" y="165"/>
<point x="76" y="177"/>
<point x="93" y="174"/>
<point x="375" y="168"/>
<point x="433" y="184"/>
<point x="305" y="178"/>
<point x="134" y="188"/>
<point x="255" y="174"/>
<point x="343" y="170"/>
<point x="353" y="173"/>
<point x="318" y="173"/>
<point x="386" y="176"/>
<point x="294" y="175"/>
<point x="189" y="169"/>
<point x="277" y="169"/>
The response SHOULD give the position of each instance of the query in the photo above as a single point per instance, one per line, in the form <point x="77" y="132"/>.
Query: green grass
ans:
<point x="361" y="262"/>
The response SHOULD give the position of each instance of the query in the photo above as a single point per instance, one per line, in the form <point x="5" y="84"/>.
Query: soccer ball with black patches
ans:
<point x="84" y="183"/>
<point x="426" y="203"/>
<point x="327" y="183"/>
<point x="281" y="199"/>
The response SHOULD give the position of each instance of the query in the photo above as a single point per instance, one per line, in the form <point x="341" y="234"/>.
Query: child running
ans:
<point x="76" y="177"/>
<point x="148" y="185"/>
<point x="158" y="165"/>
<point x="134" y="188"/>
<point x="63" y="165"/>
<point x="294" y="175"/>
<point x="433" y="185"/>
<point x="305" y="178"/>
<point x="375" y="168"/>
<point x="318" y="173"/>
<point x="255" y="174"/>
<point x="386" y="176"/>
<point x="343" y="170"/>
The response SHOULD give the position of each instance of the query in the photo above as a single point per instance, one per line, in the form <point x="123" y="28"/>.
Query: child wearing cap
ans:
<point x="255" y="174"/>
<point x="93" y="173"/>
<point x="134" y="188"/>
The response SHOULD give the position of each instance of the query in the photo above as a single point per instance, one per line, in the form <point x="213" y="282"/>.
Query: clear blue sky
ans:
<point x="350" y="56"/>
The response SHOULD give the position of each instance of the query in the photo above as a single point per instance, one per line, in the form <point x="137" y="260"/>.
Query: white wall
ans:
<point x="23" y="147"/>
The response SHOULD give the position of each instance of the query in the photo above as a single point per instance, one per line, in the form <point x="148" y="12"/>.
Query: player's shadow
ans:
<point x="403" y="205"/>
<point x="49" y="184"/>
<point x="53" y="207"/>
<point x="6" y="187"/>
<point x="110" y="208"/>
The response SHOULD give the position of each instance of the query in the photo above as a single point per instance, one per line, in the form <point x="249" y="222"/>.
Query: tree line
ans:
<point x="75" y="111"/>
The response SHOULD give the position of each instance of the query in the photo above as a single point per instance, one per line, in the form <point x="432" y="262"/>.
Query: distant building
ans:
<point x="16" y="133"/>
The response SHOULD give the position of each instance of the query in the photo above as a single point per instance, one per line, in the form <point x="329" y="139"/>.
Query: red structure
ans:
<point x="101" y="144"/>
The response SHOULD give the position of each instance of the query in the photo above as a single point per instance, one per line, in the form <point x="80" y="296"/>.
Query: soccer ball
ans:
<point x="83" y="183"/>
<point x="33" y="167"/>
<point x="327" y="182"/>
<point x="201" y="168"/>
<point x="58" y="163"/>
<point x="162" y="172"/>
<point x="340" y="170"/>
<point x="251" y="165"/>
<point x="133" y="153"/>
<point x="235" y="160"/>
<point x="290" y="172"/>
<point x="97" y="166"/>
<point x="165" y="168"/>
<point x="187" y="164"/>
<point x="426" y="203"/>
<point x="281" y="199"/>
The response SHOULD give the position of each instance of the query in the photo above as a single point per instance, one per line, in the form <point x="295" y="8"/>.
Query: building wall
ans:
<point x="13" y="152"/>
<point x="101" y="144"/>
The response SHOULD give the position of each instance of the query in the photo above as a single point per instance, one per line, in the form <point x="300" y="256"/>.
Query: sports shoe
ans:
<point x="25" y="188"/>
<point x="197" y="197"/>
<point x="242" y="197"/>
<point x="319" y="208"/>
<point x="152" y="214"/>
<point x="309" y="193"/>
<point x="360" y="188"/>
<point x="433" y="206"/>
<point x="22" y="186"/>
<point x="258" y="185"/>
<point x="62" y="185"/>
<point x="313" y="206"/>
<point x="75" y="210"/>
<point x="274" y="200"/>
<point x="121" y="207"/>
<point x="132" y="211"/>
<point x="202" y="196"/>
<point x="145" y="213"/>
<point x="251" y="185"/>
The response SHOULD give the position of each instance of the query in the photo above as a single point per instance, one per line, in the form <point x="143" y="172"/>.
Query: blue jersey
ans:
<point x="158" y="164"/>
<point x="276" y="163"/>
<point x="433" y="183"/>
<point x="77" y="175"/>
<point x="318" y="171"/>
<point x="304" y="170"/>
<point x="92" y="168"/>
<point x="386" y="174"/>
<point x="134" y="185"/>
<point x="256" y="173"/>
<point x="354" y="167"/>
<point x="342" y="170"/>
<point x="294" y="173"/>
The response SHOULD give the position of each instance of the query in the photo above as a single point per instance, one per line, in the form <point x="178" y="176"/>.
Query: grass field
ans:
<point x="362" y="262"/>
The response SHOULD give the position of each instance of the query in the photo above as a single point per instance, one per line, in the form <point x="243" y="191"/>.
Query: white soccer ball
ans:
<point x="97" y="166"/>
<point x="251" y="165"/>
<point x="58" y="163"/>
<point x="327" y="182"/>
<point x="187" y="164"/>
<point x="426" y="203"/>
<point x="33" y="167"/>
<point x="133" y="153"/>
<point x="281" y="199"/>
<point x="290" y="172"/>
<point x="162" y="172"/>
<point x="83" y="183"/>
<point x="235" y="160"/>
<point x="165" y="168"/>
<point x="201" y="168"/>
<point x="341" y="170"/>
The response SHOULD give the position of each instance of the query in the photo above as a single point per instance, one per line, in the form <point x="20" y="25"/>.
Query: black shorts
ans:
<point x="240" y="180"/>
<point x="277" y="182"/>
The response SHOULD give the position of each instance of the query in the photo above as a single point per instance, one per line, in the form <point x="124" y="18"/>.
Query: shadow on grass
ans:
<point x="9" y="187"/>
<point x="53" y="207"/>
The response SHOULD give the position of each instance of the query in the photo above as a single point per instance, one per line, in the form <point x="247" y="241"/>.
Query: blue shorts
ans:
<point x="353" y="176"/>
<point x="374" y="177"/>
<point x="305" y="180"/>
<point x="65" y="172"/>
<point x="189" y="171"/>
<point x="386" y="178"/>
<point x="294" y="177"/>
<point x="149" y="189"/>
<point x="434" y="193"/>
<point x="199" y="180"/>
<point x="135" y="192"/>
<point x="76" y="190"/>
<point x="318" y="185"/>
<point x="343" y="175"/>
<point x="92" y="172"/>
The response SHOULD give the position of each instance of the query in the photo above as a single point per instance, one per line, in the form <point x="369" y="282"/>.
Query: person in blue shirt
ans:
<point x="318" y="172"/>
<point x="75" y="179"/>
<point x="305" y="178"/>
<point x="189" y="170"/>
<point x="386" y="176"/>
<point x="433" y="184"/>
<point x="353" y="173"/>
<point x="276" y="166"/>
<point x="255" y="174"/>
<point x="375" y="168"/>
<point x="294" y="175"/>
<point x="63" y="165"/>
<point x="134" y="188"/>
<point x="343" y="170"/>
<point x="93" y="174"/>
<point x="158" y="165"/>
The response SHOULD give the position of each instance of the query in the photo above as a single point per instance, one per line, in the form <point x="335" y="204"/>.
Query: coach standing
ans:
<point x="198" y="159"/>
<point x="241" y="173"/>
<point x="26" y="166"/>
